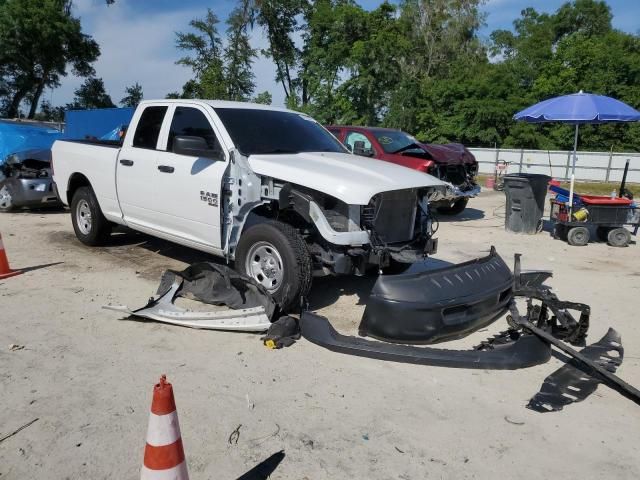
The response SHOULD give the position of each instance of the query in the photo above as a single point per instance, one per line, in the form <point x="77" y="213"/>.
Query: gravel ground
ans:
<point x="86" y="374"/>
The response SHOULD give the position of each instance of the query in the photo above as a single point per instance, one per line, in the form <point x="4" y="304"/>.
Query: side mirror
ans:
<point x="195" y="147"/>
<point x="359" y="149"/>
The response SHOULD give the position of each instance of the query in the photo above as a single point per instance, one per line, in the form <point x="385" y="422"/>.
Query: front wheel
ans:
<point x="90" y="225"/>
<point x="455" y="208"/>
<point x="276" y="256"/>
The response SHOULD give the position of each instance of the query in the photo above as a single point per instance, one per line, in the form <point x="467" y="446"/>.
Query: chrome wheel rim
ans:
<point x="5" y="198"/>
<point x="83" y="217"/>
<point x="264" y="265"/>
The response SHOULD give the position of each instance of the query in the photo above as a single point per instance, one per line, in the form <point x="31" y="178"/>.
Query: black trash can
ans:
<point x="526" y="193"/>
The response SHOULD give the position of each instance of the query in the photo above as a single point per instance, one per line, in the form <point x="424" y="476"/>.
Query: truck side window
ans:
<point x="192" y="122"/>
<point x="148" y="128"/>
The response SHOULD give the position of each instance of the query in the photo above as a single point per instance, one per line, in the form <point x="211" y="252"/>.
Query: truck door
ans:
<point x="189" y="185"/>
<point x="136" y="168"/>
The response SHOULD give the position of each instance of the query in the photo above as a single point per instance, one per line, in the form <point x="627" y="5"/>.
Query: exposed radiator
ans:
<point x="392" y="215"/>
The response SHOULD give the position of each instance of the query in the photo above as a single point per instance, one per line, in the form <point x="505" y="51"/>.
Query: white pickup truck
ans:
<point x="265" y="187"/>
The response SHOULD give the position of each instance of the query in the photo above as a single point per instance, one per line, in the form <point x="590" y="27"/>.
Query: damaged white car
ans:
<point x="267" y="188"/>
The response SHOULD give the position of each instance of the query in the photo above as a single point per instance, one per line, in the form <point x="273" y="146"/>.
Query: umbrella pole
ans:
<point x="573" y="172"/>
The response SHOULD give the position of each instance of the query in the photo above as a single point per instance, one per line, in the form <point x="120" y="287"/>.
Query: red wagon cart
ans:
<point x="609" y="215"/>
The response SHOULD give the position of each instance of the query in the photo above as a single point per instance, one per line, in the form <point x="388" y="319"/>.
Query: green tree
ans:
<point x="279" y="19"/>
<point x="263" y="98"/>
<point x="205" y="47"/>
<point x="238" y="54"/>
<point x="91" y="94"/>
<point x="49" y="113"/>
<point x="133" y="97"/>
<point x="40" y="40"/>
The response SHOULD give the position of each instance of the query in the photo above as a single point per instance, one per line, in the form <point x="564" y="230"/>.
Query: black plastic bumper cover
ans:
<point x="526" y="351"/>
<point x="438" y="305"/>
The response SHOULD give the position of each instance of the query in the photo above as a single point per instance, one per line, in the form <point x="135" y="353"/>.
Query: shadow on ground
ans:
<point x="123" y="237"/>
<point x="467" y="215"/>
<point x="327" y="290"/>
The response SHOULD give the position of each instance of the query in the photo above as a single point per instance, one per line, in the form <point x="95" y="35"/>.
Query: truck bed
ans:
<point x="94" y="159"/>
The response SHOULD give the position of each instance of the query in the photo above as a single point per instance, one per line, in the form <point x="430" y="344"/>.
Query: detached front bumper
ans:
<point x="438" y="305"/>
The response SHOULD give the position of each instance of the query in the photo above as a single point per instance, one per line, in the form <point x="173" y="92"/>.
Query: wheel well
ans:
<point x="271" y="211"/>
<point x="76" y="181"/>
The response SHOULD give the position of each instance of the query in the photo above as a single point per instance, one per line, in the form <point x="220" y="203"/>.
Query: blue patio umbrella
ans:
<point x="576" y="109"/>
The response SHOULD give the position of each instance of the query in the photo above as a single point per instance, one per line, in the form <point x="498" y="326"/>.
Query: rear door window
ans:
<point x="192" y="122"/>
<point x="148" y="128"/>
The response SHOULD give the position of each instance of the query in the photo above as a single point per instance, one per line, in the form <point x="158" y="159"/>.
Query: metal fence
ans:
<point x="591" y="166"/>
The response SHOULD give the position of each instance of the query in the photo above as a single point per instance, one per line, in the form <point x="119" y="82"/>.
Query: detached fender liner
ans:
<point x="438" y="305"/>
<point x="528" y="350"/>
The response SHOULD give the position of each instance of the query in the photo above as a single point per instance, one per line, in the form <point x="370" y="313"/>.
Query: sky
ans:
<point x="137" y="40"/>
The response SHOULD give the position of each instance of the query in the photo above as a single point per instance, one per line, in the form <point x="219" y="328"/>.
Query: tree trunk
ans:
<point x="14" y="106"/>
<point x="36" y="97"/>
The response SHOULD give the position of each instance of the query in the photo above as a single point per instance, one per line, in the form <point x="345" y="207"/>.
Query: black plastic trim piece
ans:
<point x="570" y="383"/>
<point x="526" y="351"/>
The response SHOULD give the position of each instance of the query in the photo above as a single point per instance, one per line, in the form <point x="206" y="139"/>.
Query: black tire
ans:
<point x="97" y="229"/>
<point x="578" y="236"/>
<point x="603" y="233"/>
<point x="457" y="207"/>
<point x="560" y="232"/>
<point x="6" y="198"/>
<point x="290" y="277"/>
<point x="619" y="237"/>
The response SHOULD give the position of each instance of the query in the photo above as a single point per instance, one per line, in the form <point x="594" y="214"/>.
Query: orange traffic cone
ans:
<point x="5" y="269"/>
<point x="163" y="454"/>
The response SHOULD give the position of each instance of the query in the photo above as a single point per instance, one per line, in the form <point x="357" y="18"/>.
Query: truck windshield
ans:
<point x="392" y="141"/>
<point x="255" y="132"/>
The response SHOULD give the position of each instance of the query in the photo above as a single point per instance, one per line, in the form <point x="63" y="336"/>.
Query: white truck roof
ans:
<point x="219" y="104"/>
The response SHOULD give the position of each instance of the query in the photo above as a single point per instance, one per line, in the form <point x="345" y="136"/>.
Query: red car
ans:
<point x="451" y="163"/>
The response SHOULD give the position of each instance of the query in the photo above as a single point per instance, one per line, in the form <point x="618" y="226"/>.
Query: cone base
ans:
<point x="11" y="273"/>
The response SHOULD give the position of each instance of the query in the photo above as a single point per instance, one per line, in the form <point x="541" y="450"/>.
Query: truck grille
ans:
<point x="392" y="215"/>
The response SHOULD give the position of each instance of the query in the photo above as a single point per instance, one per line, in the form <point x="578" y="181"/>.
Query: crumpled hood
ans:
<point x="350" y="178"/>
<point x="450" y="153"/>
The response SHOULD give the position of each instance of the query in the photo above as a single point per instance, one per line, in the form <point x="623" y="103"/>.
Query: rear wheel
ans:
<point x="578" y="236"/>
<point x="619" y="237"/>
<point x="90" y="225"/>
<point x="6" y="198"/>
<point x="276" y="256"/>
<point x="455" y="208"/>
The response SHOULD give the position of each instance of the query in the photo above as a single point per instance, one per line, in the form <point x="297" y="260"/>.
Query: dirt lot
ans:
<point x="87" y="374"/>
